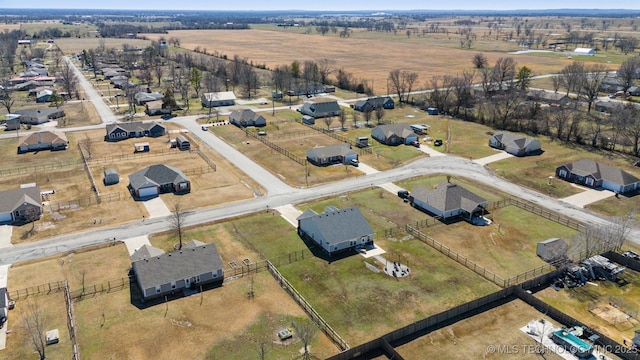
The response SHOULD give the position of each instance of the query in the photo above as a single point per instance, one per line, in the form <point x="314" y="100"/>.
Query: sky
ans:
<point x="329" y="5"/>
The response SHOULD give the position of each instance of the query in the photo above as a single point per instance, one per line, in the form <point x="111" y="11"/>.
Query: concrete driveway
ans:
<point x="156" y="207"/>
<point x="587" y="197"/>
<point x="5" y="236"/>
<point x="366" y="169"/>
<point x="136" y="243"/>
<point x="431" y="151"/>
<point x="289" y="213"/>
<point x="492" y="158"/>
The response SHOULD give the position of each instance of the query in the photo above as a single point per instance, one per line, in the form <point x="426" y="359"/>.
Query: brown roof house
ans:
<point x="43" y="140"/>
<point x="515" y="144"/>
<point x="160" y="274"/>
<point x="447" y="201"/>
<point x="394" y="134"/>
<point x="156" y="179"/>
<point x="20" y="205"/>
<point x="156" y="107"/>
<point x="595" y="175"/>
<point x="336" y="230"/>
<point x="247" y="117"/>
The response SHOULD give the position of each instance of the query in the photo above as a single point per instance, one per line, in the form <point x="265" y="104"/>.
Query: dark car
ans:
<point x="403" y="194"/>
<point x="438" y="142"/>
<point x="415" y="143"/>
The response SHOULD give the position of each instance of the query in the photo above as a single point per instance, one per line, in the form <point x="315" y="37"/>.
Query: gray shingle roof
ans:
<point x="177" y="265"/>
<point x="336" y="225"/>
<point x="330" y="151"/>
<point x="134" y="126"/>
<point x="157" y="175"/>
<point x="11" y="199"/>
<point x="513" y="140"/>
<point x="447" y="197"/>
<point x="586" y="167"/>
<point x="401" y="130"/>
<point x="145" y="252"/>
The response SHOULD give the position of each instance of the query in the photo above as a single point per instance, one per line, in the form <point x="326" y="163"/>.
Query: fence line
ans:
<point x="278" y="148"/>
<point x="70" y="322"/>
<point x="41" y="167"/>
<point x="94" y="187"/>
<point x="206" y="158"/>
<point x="562" y="220"/>
<point x="132" y="156"/>
<point x="315" y="317"/>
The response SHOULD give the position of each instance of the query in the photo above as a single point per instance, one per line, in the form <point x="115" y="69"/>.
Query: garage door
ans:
<point x="5" y="217"/>
<point x="150" y="191"/>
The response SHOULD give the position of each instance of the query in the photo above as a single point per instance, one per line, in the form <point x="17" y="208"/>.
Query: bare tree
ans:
<point x="591" y="80"/>
<point x="556" y="82"/>
<point x="343" y="119"/>
<point x="327" y="121"/>
<point x="6" y="97"/>
<point x="379" y="114"/>
<point x="503" y="73"/>
<point x="35" y="321"/>
<point x="571" y="75"/>
<point x="633" y="132"/>
<point x="595" y="239"/>
<point x="367" y="115"/>
<point x="305" y="330"/>
<point x="68" y="78"/>
<point x="461" y="87"/>
<point x="479" y="61"/>
<point x="325" y="68"/>
<point x="31" y="214"/>
<point x="440" y="96"/>
<point x="629" y="71"/>
<point x="178" y="217"/>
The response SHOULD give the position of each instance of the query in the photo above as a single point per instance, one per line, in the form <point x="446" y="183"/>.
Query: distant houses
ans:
<point x="515" y="144"/>
<point x="549" y="97"/>
<point x="160" y="274"/>
<point x="157" y="179"/>
<point x="319" y="108"/>
<point x="215" y="99"/>
<point x="595" y="175"/>
<point x="394" y="134"/>
<point x="43" y="140"/>
<point x="246" y="117"/>
<point x="121" y="131"/>
<point x="333" y="154"/>
<point x="336" y="230"/>
<point x="448" y="200"/>
<point x="19" y="205"/>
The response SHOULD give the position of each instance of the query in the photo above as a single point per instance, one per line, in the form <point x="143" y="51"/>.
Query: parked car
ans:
<point x="403" y="194"/>
<point x="437" y="142"/>
<point x="355" y="162"/>
<point x="415" y="143"/>
<point x="204" y="128"/>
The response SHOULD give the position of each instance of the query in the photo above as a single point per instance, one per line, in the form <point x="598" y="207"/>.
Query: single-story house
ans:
<point x="4" y="306"/>
<point x="605" y="106"/>
<point x="584" y="51"/>
<point x="394" y="134"/>
<point x="155" y="107"/>
<point x="548" y="97"/>
<point x="448" y="200"/>
<point x="43" y="140"/>
<point x="371" y="104"/>
<point x="157" y="179"/>
<point x="44" y="95"/>
<point x="514" y="144"/>
<point x="333" y="154"/>
<point x="27" y="85"/>
<point x="144" y="97"/>
<point x="306" y="88"/>
<point x="336" y="230"/>
<point x="111" y="177"/>
<point x="21" y="204"/>
<point x="612" y="84"/>
<point x="552" y="250"/>
<point x="159" y="274"/>
<point x="221" y="98"/>
<point x="246" y="117"/>
<point x="595" y="175"/>
<point x="320" y="107"/>
<point x="36" y="117"/>
<point x="121" y="131"/>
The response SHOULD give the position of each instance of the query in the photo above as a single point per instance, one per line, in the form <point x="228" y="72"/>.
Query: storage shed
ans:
<point x="141" y="147"/>
<point x="182" y="143"/>
<point x="111" y="177"/>
<point x="552" y="250"/>
<point x="308" y="120"/>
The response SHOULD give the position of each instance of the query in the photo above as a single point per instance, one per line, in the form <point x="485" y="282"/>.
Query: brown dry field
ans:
<point x="470" y="338"/>
<point x="74" y="45"/>
<point x="369" y="56"/>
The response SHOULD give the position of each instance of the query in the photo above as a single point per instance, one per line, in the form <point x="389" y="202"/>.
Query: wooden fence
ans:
<point x="278" y="148"/>
<point x="40" y="167"/>
<point x="132" y="156"/>
<point x="85" y="161"/>
<point x="38" y="290"/>
<point x="313" y="314"/>
<point x="70" y="321"/>
<point x="550" y="215"/>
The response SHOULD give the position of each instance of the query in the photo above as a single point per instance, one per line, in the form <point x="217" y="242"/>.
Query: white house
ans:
<point x="222" y="98"/>
<point x="584" y="51"/>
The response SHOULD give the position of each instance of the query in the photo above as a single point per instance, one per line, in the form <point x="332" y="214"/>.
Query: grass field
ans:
<point x="474" y="337"/>
<point x="432" y="54"/>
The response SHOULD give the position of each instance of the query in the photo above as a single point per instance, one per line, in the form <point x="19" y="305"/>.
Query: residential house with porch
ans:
<point x="19" y="205"/>
<point x="447" y="201"/>
<point x="333" y="154"/>
<point x="596" y="175"/>
<point x="125" y="130"/>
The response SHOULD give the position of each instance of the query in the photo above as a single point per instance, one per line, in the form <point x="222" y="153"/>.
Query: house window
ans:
<point x="197" y="278"/>
<point x="173" y="284"/>
<point x="157" y="290"/>
<point x="215" y="275"/>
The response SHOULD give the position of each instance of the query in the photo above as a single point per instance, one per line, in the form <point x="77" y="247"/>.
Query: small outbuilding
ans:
<point x="111" y="177"/>
<point x="141" y="147"/>
<point x="182" y="143"/>
<point x="584" y="51"/>
<point x="552" y="250"/>
<point x="308" y="120"/>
